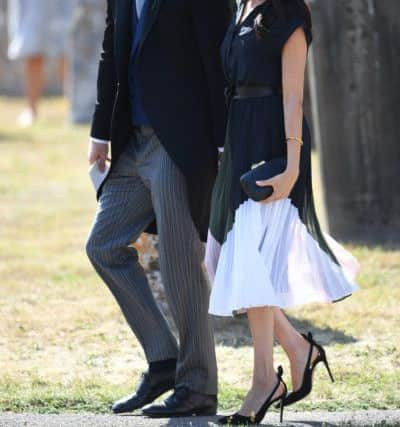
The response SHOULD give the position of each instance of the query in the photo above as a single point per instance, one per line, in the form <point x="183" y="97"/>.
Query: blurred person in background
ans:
<point x="37" y="30"/>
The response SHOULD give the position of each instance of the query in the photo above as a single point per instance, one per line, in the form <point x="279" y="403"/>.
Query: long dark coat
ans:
<point x="182" y="87"/>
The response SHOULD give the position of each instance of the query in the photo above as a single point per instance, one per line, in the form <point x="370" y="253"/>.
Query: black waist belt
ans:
<point x="255" y="91"/>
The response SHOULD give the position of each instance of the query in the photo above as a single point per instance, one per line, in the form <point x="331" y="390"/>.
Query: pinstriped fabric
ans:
<point x="124" y="210"/>
<point x="184" y="279"/>
<point x="144" y="185"/>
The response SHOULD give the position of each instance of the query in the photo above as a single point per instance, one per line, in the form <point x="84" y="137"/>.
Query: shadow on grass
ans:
<point x="234" y="332"/>
<point x="307" y="424"/>
<point x="391" y="246"/>
<point x="15" y="137"/>
<point x="384" y="238"/>
<point x="302" y="424"/>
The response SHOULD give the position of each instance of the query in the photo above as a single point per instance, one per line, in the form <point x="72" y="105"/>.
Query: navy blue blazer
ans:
<point x="182" y="87"/>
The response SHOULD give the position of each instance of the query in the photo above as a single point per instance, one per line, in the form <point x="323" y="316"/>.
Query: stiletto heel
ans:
<point x="282" y="407"/>
<point x="325" y="361"/>
<point x="284" y="395"/>
<point x="237" y="419"/>
<point x="307" y="383"/>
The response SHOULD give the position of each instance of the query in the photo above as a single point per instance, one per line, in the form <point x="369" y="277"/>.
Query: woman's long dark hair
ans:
<point x="282" y="9"/>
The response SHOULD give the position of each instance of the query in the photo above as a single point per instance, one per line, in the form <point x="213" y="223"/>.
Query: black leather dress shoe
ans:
<point x="183" y="403"/>
<point x="151" y="386"/>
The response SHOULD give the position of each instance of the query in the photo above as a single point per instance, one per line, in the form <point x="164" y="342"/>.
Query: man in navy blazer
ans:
<point x="161" y="108"/>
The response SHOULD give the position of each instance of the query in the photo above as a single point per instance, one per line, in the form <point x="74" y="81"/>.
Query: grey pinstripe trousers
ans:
<point x="146" y="184"/>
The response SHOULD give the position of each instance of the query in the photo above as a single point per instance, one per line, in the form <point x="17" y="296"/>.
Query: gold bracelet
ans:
<point x="294" y="138"/>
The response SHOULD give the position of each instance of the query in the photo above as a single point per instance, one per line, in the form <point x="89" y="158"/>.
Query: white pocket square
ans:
<point x="245" y="30"/>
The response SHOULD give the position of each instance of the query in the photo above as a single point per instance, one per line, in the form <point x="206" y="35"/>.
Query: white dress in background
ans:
<point x="38" y="27"/>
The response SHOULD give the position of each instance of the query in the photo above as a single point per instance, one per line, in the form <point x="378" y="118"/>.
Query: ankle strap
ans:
<point x="311" y="341"/>
<point x="279" y="375"/>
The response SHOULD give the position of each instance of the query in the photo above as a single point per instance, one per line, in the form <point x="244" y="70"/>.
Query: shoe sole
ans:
<point x="292" y="402"/>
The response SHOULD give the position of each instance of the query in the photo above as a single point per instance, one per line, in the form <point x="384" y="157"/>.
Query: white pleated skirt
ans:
<point x="270" y="259"/>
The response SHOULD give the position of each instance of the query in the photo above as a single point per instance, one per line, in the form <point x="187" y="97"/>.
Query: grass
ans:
<point x="65" y="347"/>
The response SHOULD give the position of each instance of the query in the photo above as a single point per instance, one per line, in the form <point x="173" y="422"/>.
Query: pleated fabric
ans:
<point x="270" y="259"/>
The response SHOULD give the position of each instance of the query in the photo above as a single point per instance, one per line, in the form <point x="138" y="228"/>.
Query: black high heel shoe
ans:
<point x="237" y="419"/>
<point x="307" y="383"/>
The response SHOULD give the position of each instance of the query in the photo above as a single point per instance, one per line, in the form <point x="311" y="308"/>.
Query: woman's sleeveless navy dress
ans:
<point x="267" y="254"/>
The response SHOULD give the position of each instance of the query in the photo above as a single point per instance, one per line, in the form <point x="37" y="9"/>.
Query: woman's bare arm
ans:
<point x="294" y="58"/>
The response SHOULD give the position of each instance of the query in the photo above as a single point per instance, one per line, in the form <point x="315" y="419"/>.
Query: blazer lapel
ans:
<point x="152" y="10"/>
<point x="123" y="20"/>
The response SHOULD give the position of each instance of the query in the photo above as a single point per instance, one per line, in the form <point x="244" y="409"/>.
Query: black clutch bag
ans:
<point x="264" y="170"/>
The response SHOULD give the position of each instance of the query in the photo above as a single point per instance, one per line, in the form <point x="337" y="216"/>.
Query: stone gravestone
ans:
<point x="88" y="23"/>
<point x="356" y="87"/>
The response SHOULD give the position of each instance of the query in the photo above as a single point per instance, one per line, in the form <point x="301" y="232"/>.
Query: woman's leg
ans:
<point x="294" y="345"/>
<point x="34" y="81"/>
<point x="261" y="322"/>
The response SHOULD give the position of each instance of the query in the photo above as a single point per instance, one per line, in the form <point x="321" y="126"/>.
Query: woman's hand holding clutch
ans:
<point x="282" y="185"/>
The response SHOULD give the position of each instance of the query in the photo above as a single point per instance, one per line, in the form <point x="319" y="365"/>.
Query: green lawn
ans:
<point x="64" y="346"/>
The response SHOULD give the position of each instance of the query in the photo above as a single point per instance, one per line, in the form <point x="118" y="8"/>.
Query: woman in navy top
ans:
<point x="271" y="255"/>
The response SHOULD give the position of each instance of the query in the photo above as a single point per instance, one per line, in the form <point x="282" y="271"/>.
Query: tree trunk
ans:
<point x="355" y="69"/>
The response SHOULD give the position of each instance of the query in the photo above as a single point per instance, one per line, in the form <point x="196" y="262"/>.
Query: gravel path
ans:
<point x="292" y="419"/>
